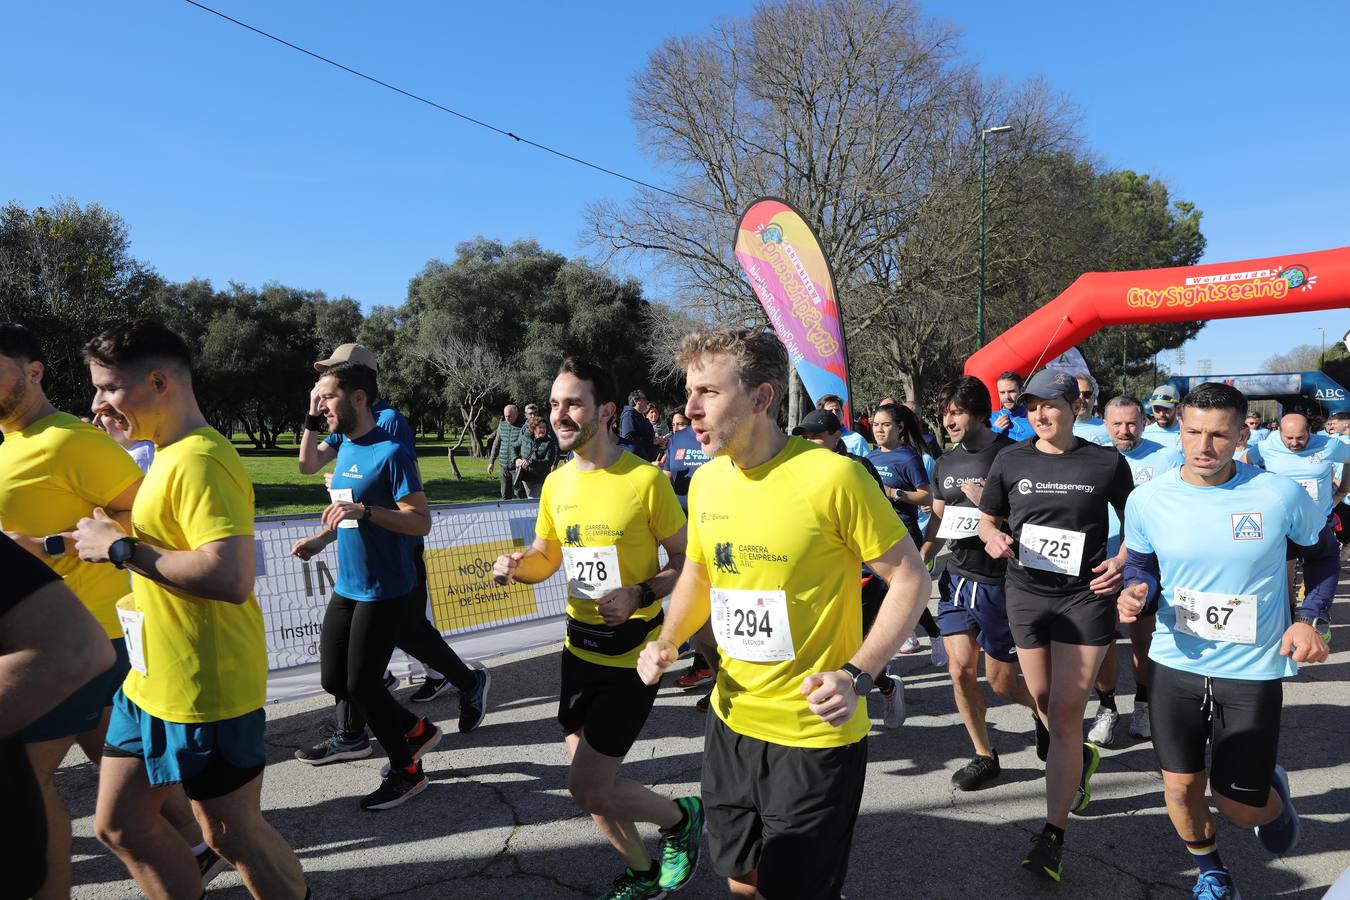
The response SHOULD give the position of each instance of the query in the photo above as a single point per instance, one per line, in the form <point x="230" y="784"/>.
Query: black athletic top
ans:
<point x="1057" y="490"/>
<point x="959" y="466"/>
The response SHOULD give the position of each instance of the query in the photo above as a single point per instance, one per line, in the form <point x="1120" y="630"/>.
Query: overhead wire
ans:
<point x="445" y="109"/>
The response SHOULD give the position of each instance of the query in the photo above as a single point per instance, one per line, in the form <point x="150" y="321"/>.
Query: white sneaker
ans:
<point x="911" y="645"/>
<point x="1139" y="726"/>
<point x="893" y="706"/>
<point x="1103" y="730"/>
<point x="939" y="652"/>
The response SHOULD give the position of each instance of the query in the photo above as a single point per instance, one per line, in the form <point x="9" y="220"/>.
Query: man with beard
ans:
<point x="1165" y="429"/>
<point x="775" y="567"/>
<point x="603" y="516"/>
<point x="972" y="611"/>
<point x="378" y="510"/>
<point x="1010" y="420"/>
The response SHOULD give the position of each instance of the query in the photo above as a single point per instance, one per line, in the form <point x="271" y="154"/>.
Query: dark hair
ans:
<point x="829" y="398"/>
<point x="1126" y="400"/>
<point x="634" y="396"/>
<point x="139" y="341"/>
<point x="1010" y="375"/>
<point x="911" y="429"/>
<point x="18" y="342"/>
<point x="352" y="376"/>
<point x="967" y="394"/>
<point x="603" y="388"/>
<point x="1213" y="395"/>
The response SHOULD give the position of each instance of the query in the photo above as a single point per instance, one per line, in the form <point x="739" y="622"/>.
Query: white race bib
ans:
<point x="133" y="636"/>
<point x="1051" y="549"/>
<point x="959" y="522"/>
<point x="1309" y="485"/>
<point x="343" y="495"/>
<point x="592" y="572"/>
<point x="752" y="625"/>
<point x="1216" y="617"/>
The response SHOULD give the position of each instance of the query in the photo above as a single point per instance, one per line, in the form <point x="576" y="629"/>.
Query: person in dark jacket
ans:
<point x="502" y="453"/>
<point x="536" y="455"/>
<point x="635" y="432"/>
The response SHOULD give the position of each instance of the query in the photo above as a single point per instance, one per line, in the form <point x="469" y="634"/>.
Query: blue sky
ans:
<point x="232" y="158"/>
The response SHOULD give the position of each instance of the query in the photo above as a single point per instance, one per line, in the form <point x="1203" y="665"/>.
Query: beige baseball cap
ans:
<point x="349" y="353"/>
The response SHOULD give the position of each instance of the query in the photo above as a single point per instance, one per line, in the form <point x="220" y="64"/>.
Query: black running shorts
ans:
<point x="607" y="704"/>
<point x="1241" y="719"/>
<point x="1085" y="618"/>
<point x="787" y="811"/>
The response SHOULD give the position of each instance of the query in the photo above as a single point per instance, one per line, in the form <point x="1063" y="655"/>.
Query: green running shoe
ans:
<point x="632" y="886"/>
<point x="679" y="851"/>
<point x="1092" y="758"/>
<point x="1043" y="858"/>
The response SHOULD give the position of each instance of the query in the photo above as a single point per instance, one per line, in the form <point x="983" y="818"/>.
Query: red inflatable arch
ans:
<point x="1298" y="282"/>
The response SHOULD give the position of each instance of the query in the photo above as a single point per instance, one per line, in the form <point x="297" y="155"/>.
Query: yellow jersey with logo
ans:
<point x="630" y="506"/>
<point x="55" y="472"/>
<point x="205" y="660"/>
<point x="801" y="524"/>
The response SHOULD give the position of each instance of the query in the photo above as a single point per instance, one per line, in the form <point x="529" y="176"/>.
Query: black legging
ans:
<point x="24" y="851"/>
<point x="354" y="648"/>
<point x="418" y="638"/>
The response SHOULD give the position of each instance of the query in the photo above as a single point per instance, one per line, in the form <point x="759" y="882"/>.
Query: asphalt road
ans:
<point x="497" y="821"/>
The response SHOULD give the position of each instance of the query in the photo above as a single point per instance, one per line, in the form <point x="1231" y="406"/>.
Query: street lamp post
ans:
<point x="979" y="307"/>
<point x="1322" y="359"/>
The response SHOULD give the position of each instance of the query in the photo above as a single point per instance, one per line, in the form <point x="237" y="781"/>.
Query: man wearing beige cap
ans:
<point x="417" y="637"/>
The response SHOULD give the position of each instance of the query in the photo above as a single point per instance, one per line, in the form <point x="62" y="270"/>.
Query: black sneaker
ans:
<point x="977" y="773"/>
<point x="209" y="864"/>
<point x="1042" y="738"/>
<point x="1044" y="857"/>
<point x="390" y="680"/>
<point x="473" y="704"/>
<point x="431" y="689"/>
<point x="337" y="747"/>
<point x="397" y="788"/>
<point x="419" y="746"/>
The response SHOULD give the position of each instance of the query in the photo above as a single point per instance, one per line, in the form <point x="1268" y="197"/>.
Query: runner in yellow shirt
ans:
<point x="778" y="530"/>
<point x="190" y="711"/>
<point x="57" y="470"/>
<point x="603" y="515"/>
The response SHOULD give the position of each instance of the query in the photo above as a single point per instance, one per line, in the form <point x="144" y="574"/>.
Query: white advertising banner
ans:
<point x="464" y="542"/>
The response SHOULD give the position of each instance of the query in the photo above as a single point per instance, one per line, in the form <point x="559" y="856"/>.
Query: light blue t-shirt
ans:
<point x="373" y="562"/>
<point x="929" y="464"/>
<point x="1312" y="467"/>
<point x="1093" y="431"/>
<point x="1147" y="461"/>
<point x="1168" y="437"/>
<point x="1228" y="539"/>
<point x="1257" y="435"/>
<point x="853" y="442"/>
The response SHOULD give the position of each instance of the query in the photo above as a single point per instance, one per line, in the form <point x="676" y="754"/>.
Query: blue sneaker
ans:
<point x="337" y="747"/>
<point x="1215" y="884"/>
<point x="473" y="704"/>
<point x="1280" y="836"/>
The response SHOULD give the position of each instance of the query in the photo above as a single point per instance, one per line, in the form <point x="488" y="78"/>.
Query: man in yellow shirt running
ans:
<point x="57" y="470"/>
<point x="190" y="710"/>
<point x="603" y="515"/>
<point x="778" y="528"/>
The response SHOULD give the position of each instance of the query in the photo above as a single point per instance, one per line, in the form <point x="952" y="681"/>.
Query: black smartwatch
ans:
<point x="121" y="550"/>
<point x="54" y="545"/>
<point x="862" y="682"/>
<point x="648" y="595"/>
<point x="1319" y="625"/>
<point x="366" y="513"/>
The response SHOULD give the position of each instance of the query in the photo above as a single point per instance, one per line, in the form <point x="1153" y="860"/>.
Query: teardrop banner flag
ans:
<point x="784" y="263"/>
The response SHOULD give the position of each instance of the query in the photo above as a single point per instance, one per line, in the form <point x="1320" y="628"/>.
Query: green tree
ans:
<point x="67" y="273"/>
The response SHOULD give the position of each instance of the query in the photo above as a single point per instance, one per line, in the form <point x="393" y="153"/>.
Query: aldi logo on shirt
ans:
<point x="1247" y="526"/>
<point x="353" y="472"/>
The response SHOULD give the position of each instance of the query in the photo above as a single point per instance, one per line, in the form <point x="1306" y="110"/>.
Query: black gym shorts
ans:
<point x="607" y="704"/>
<point x="787" y="811"/>
<point x="1240" y="718"/>
<point x="1085" y="619"/>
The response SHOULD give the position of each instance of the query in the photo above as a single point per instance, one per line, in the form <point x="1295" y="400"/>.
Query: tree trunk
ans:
<point x="454" y="467"/>
<point x="794" y="414"/>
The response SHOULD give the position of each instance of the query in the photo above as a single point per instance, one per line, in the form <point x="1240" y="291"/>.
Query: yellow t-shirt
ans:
<point x="205" y="660"/>
<point x="629" y="506"/>
<point x="801" y="523"/>
<point x="52" y="474"/>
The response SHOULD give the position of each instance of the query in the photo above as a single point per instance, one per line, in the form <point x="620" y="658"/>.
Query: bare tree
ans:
<point x="472" y="370"/>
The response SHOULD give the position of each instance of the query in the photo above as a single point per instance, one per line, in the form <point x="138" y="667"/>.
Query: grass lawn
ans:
<point x="280" y="488"/>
